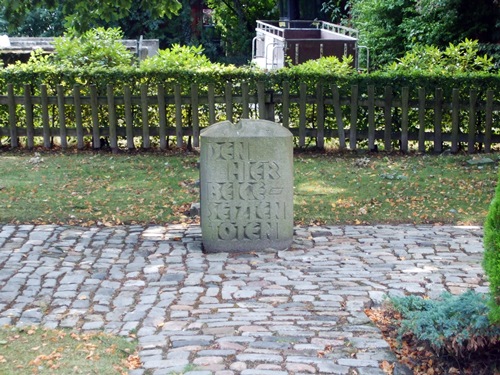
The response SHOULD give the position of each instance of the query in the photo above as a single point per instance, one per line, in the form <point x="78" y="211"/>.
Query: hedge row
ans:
<point x="134" y="77"/>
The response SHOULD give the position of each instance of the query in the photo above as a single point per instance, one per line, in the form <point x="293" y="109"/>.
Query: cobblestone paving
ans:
<point x="289" y="312"/>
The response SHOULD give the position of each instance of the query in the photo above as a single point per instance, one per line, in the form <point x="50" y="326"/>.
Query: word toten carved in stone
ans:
<point x="246" y="186"/>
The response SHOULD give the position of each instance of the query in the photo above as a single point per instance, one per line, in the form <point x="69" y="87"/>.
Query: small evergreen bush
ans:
<point x="491" y="259"/>
<point x="455" y="325"/>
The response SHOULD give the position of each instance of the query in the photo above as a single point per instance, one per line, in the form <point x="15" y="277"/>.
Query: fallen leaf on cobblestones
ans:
<point x="387" y="367"/>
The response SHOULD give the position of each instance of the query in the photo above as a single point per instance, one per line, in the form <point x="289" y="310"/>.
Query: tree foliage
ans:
<point x="338" y="11"/>
<point x="37" y="22"/>
<point x="382" y="26"/>
<point x="392" y="27"/>
<point x="85" y="14"/>
<point x="236" y="21"/>
<point x="440" y="22"/>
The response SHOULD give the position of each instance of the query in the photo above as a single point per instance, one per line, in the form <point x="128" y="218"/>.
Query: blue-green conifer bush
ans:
<point x="455" y="325"/>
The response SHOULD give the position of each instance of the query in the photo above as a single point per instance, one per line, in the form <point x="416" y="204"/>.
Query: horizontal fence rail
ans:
<point x="374" y="117"/>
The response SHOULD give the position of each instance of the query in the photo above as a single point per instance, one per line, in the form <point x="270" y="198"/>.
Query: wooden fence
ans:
<point x="360" y="117"/>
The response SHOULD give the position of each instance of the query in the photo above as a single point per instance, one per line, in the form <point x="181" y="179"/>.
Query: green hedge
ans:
<point x="134" y="76"/>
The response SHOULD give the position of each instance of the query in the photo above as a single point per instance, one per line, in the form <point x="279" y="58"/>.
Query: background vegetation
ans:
<point x="389" y="28"/>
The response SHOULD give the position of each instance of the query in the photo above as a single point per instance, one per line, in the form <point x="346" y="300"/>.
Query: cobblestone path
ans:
<point x="273" y="313"/>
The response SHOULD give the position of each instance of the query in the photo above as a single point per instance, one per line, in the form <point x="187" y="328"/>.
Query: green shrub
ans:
<point x="460" y="58"/>
<point x="96" y="48"/>
<point x="455" y="325"/>
<point x="329" y="65"/>
<point x="185" y="57"/>
<point x="491" y="259"/>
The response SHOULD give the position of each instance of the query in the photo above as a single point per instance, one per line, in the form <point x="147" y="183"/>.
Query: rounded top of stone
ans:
<point x="246" y="128"/>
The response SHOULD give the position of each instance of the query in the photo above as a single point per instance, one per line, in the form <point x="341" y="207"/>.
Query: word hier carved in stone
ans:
<point x="246" y="186"/>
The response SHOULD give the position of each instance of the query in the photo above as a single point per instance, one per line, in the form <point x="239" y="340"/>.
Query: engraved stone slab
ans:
<point x="246" y="186"/>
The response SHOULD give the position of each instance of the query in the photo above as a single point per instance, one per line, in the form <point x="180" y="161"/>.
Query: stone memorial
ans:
<point x="246" y="186"/>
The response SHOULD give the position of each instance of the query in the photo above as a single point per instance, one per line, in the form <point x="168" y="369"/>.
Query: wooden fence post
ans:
<point x="62" y="117"/>
<point x="178" y="115"/>
<point x="245" y="100"/>
<point x="286" y="104"/>
<point x="488" y="121"/>
<point x="388" y="118"/>
<point x="269" y="106"/>
<point x="455" y="119"/>
<point x="405" y="98"/>
<point x="228" y="92"/>
<point x="45" y="116"/>
<point x="472" y="122"/>
<point x="113" y="139"/>
<point x="302" y="114"/>
<point x="354" y="118"/>
<point x="195" y="115"/>
<point x="421" y="119"/>
<point x="338" y="116"/>
<point x="12" y="115"/>
<point x="129" y="117"/>
<point x="261" y="99"/>
<point x="371" y="117"/>
<point x="28" y="105"/>
<point x="77" y="100"/>
<point x="211" y="103"/>
<point x="146" y="142"/>
<point x="320" y="117"/>
<point x="438" y="117"/>
<point x="94" y="104"/>
<point x="162" y="113"/>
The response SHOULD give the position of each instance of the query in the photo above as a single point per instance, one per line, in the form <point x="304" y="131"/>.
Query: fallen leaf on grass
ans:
<point x="54" y="356"/>
<point x="133" y="362"/>
<point x="92" y="356"/>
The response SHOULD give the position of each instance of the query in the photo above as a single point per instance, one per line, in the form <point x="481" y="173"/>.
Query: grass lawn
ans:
<point x="379" y="189"/>
<point x="89" y="189"/>
<point x="50" y="352"/>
